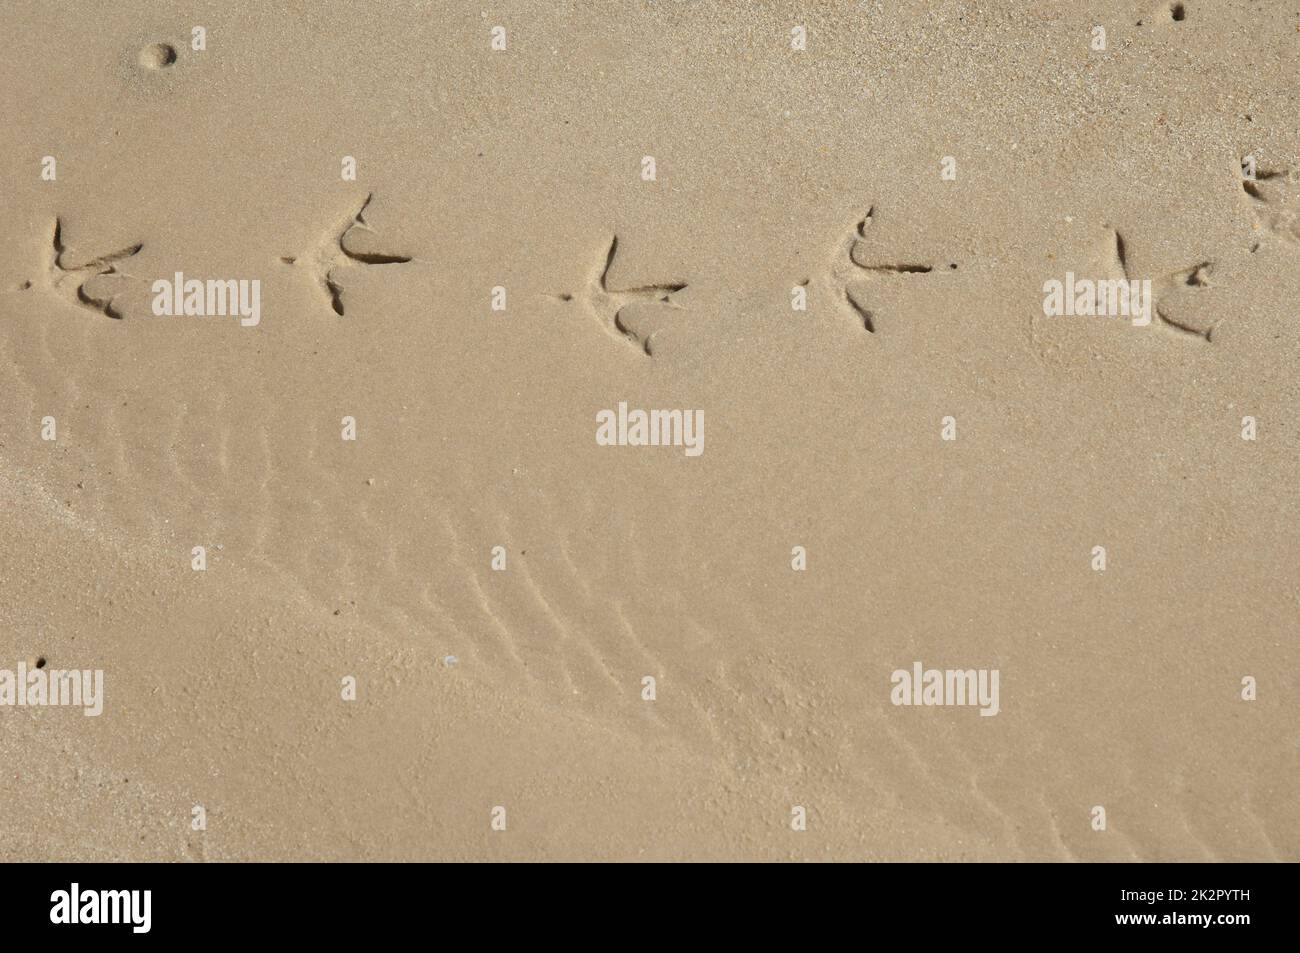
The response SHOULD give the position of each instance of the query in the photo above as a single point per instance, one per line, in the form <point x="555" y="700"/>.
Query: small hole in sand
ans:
<point x="40" y="662"/>
<point x="1178" y="12"/>
<point x="158" y="56"/>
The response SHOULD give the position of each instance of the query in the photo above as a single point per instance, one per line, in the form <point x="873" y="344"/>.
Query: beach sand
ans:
<point x="773" y="732"/>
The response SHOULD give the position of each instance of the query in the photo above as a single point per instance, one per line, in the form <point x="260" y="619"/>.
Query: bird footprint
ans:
<point x="92" y="283"/>
<point x="610" y="305"/>
<point x="352" y="242"/>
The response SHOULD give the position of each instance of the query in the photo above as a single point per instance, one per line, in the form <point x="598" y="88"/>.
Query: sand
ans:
<point x="503" y="713"/>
